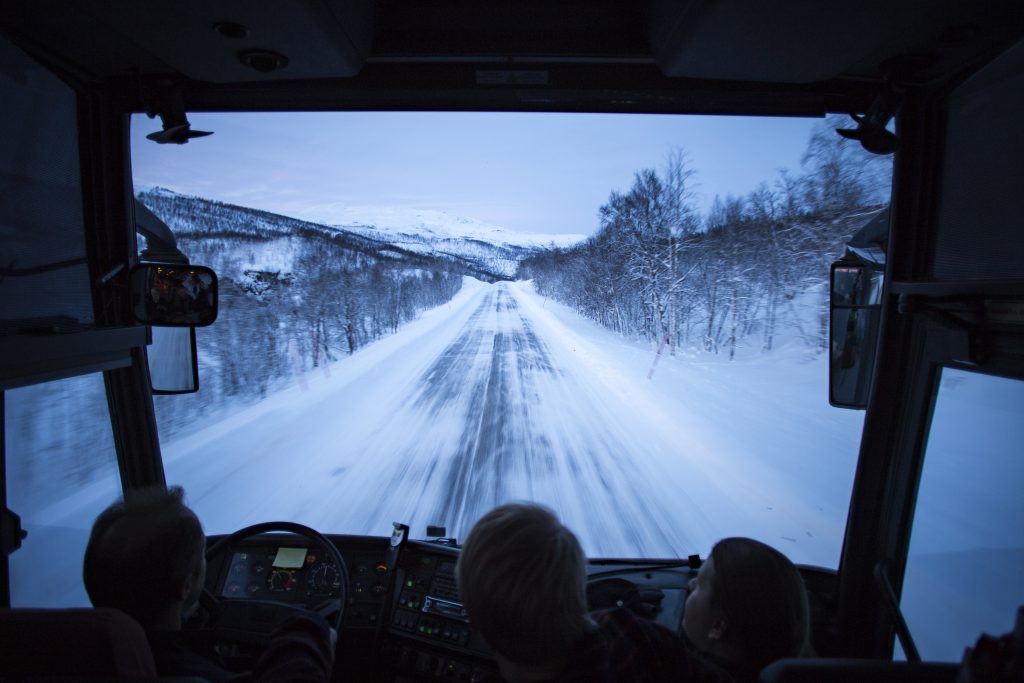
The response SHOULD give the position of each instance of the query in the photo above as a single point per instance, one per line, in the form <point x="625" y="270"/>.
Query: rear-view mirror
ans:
<point x="174" y="294"/>
<point x="855" y="313"/>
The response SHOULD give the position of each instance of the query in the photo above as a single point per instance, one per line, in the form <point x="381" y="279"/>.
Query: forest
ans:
<point x="293" y="296"/>
<point x="734" y="277"/>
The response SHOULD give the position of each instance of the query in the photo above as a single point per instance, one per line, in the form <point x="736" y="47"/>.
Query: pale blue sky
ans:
<point x="539" y="173"/>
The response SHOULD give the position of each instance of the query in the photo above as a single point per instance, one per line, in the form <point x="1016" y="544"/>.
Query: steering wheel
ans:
<point x="252" y="621"/>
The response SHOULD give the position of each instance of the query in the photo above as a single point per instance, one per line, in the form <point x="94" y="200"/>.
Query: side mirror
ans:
<point x="856" y="312"/>
<point x="173" y="294"/>
<point x="173" y="362"/>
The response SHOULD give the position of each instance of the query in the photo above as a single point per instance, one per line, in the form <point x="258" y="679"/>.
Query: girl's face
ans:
<point x="700" y="622"/>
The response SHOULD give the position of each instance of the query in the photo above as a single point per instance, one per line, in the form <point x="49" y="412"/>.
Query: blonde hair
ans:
<point x="522" y="579"/>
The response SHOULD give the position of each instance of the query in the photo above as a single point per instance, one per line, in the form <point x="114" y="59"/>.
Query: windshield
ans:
<point x="424" y="315"/>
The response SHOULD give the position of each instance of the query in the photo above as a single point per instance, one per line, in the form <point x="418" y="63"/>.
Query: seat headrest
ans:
<point x="73" y="641"/>
<point x="812" y="670"/>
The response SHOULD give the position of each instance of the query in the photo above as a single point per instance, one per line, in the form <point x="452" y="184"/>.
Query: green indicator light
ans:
<point x="408" y="583"/>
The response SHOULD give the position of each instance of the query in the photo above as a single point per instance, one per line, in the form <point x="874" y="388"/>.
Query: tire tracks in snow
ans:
<point x="497" y="377"/>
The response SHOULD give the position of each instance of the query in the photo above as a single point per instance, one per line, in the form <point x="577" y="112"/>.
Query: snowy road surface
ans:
<point x="490" y="403"/>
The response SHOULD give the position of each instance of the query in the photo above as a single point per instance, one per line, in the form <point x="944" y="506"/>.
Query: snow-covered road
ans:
<point x="481" y="402"/>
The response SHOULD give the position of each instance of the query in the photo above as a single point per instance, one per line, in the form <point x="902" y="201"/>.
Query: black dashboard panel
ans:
<point x="401" y="623"/>
<point x="428" y="627"/>
<point x="406" y="622"/>
<point x="293" y="570"/>
<point x="285" y="573"/>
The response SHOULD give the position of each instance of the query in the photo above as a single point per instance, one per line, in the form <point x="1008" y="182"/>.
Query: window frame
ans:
<point x="939" y="368"/>
<point x="117" y="344"/>
<point x="921" y="332"/>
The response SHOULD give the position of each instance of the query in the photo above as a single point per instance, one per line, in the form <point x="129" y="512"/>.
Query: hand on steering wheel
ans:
<point x="252" y="621"/>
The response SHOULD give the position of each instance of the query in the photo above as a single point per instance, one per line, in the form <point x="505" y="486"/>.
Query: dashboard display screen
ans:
<point x="290" y="558"/>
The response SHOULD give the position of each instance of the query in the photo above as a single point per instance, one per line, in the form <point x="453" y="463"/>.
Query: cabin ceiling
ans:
<point x="730" y="48"/>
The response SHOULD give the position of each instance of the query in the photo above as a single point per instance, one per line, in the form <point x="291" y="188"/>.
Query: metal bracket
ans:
<point x="871" y="129"/>
<point x="163" y="98"/>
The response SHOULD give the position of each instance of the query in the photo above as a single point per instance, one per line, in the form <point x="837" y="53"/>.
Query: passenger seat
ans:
<point x="75" y="645"/>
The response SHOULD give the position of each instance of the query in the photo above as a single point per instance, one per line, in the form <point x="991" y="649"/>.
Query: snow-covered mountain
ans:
<point x="485" y="250"/>
<point x="417" y="225"/>
<point x="438" y="232"/>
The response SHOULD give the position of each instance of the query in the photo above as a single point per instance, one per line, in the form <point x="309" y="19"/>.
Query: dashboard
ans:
<point x="281" y="572"/>
<point x="403" y="620"/>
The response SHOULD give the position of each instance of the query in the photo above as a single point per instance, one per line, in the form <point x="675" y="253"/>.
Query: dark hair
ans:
<point x="522" y="578"/>
<point x="141" y="552"/>
<point x="763" y="598"/>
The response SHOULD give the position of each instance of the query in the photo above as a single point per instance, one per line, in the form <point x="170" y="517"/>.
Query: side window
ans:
<point x="61" y="472"/>
<point x="965" y="569"/>
<point x="61" y="466"/>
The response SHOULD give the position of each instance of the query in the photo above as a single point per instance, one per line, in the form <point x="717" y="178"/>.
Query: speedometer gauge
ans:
<point x="324" y="578"/>
<point x="281" y="580"/>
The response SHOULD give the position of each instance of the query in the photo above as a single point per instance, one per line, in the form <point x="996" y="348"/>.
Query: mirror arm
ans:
<point x="161" y="244"/>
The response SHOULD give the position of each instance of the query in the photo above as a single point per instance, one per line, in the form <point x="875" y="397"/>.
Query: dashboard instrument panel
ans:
<point x="406" y="622"/>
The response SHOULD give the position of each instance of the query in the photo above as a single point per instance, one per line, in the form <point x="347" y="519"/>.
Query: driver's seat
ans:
<point x="78" y="643"/>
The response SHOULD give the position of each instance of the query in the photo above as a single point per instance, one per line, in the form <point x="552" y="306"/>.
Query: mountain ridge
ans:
<point x="485" y="251"/>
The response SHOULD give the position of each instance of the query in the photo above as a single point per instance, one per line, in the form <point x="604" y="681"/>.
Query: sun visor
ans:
<point x="225" y="41"/>
<point x="784" y="43"/>
<point x="806" y="41"/>
<point x="979" y="235"/>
